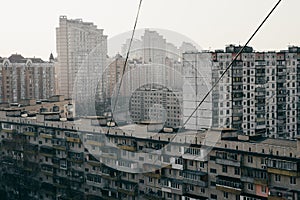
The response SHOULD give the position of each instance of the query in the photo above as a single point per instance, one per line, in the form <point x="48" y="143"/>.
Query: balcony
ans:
<point x="72" y="137"/>
<point x="95" y="143"/>
<point x="93" y="161"/>
<point x="156" y="175"/>
<point x="257" y="181"/>
<point x="30" y="133"/>
<point x="172" y="186"/>
<point x="234" y="163"/>
<point x="195" y="177"/>
<point x="110" y="174"/>
<point x="46" y="135"/>
<point x="225" y="158"/>
<point x="127" y="147"/>
<point x="109" y="193"/>
<point x="60" y="147"/>
<point x="9" y="130"/>
<point x="47" y="151"/>
<point x="229" y="184"/>
<point x="109" y="155"/>
<point x="128" y="188"/>
<point x="153" y="195"/>
<point x="283" y="172"/>
<point x="31" y="166"/>
<point x="47" y="169"/>
<point x="283" y="167"/>
<point x="61" y="182"/>
<point x="31" y="148"/>
<point x="75" y="157"/>
<point x="278" y="193"/>
<point x="193" y="153"/>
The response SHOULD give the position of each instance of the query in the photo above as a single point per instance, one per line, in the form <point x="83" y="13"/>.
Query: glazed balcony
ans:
<point x="229" y="184"/>
<point x="195" y="177"/>
<point x="283" y="167"/>
<point x="231" y="159"/>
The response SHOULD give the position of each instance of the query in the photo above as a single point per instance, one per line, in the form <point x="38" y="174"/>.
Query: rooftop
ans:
<point x="18" y="58"/>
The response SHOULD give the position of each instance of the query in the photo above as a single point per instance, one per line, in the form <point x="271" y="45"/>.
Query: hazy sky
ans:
<point x="28" y="27"/>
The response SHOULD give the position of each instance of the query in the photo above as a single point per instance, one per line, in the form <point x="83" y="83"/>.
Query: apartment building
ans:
<point x="81" y="54"/>
<point x="156" y="103"/>
<point x="258" y="95"/>
<point x="25" y="78"/>
<point x="45" y="157"/>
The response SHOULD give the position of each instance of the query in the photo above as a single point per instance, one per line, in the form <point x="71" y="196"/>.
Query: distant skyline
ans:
<point x="28" y="27"/>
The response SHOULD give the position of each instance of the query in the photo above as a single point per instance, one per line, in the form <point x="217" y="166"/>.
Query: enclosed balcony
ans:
<point x="47" y="151"/>
<point x="128" y="188"/>
<point x="72" y="137"/>
<point x="198" y="178"/>
<point x="75" y="157"/>
<point x="60" y="144"/>
<point x="283" y="167"/>
<point x="47" y="169"/>
<point x="151" y="195"/>
<point x="225" y="158"/>
<point x="229" y="184"/>
<point x="49" y="134"/>
<point x="172" y="186"/>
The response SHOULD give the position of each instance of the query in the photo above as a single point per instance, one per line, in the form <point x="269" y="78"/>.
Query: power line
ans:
<point x="124" y="68"/>
<point x="230" y="64"/>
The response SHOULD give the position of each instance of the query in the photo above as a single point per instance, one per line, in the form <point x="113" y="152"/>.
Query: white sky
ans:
<point x="28" y="27"/>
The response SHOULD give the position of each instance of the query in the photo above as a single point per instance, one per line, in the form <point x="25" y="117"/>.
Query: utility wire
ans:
<point x="230" y="64"/>
<point x="125" y="64"/>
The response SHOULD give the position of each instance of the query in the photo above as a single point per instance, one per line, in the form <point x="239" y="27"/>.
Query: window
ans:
<point x="169" y="195"/>
<point x="191" y="162"/>
<point x="250" y="186"/>
<point x="263" y="189"/>
<point x="225" y="194"/>
<point x="293" y="180"/>
<point x="191" y="187"/>
<point x="250" y="159"/>
<point x="212" y="170"/>
<point x="213" y="196"/>
<point x="202" y="190"/>
<point x="202" y="164"/>
<point x="224" y="168"/>
<point x="237" y="171"/>
<point x="277" y="177"/>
